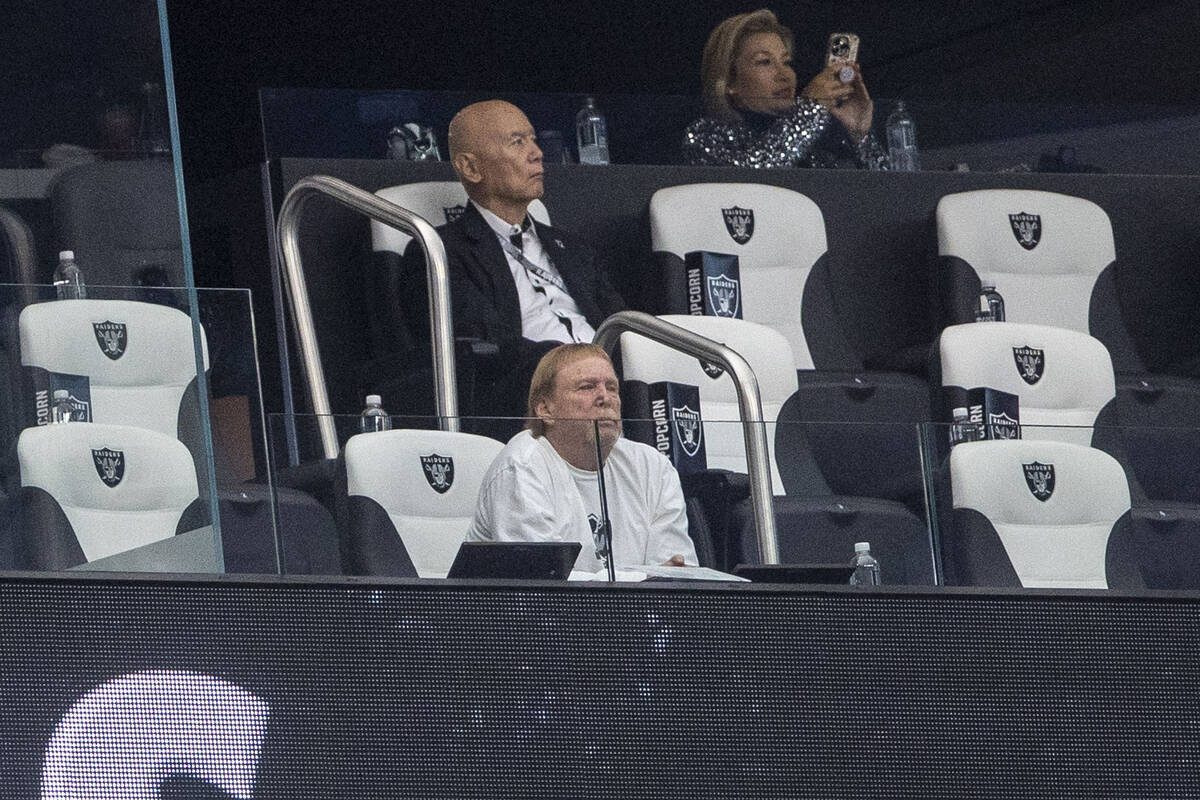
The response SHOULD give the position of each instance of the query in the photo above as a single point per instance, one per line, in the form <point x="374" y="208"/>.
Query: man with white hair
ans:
<point x="544" y="485"/>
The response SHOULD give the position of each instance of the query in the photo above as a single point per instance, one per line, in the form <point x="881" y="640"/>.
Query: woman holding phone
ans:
<point x="754" y="117"/>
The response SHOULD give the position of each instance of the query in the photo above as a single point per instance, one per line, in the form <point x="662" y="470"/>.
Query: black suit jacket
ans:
<point x="483" y="296"/>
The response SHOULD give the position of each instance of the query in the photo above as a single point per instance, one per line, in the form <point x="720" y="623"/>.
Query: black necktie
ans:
<point x="517" y="238"/>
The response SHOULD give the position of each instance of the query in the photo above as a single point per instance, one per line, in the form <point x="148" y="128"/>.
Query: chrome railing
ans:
<point x="445" y="390"/>
<point x="754" y="432"/>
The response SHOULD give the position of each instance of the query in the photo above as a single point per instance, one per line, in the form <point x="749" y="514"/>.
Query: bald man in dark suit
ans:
<point x="520" y="285"/>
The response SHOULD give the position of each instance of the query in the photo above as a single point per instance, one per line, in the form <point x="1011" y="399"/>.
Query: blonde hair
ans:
<point x="542" y="385"/>
<point x="720" y="55"/>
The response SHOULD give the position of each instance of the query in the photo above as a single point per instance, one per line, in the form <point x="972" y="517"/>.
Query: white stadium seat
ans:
<point x="90" y="491"/>
<point x="1038" y="514"/>
<point x="765" y="350"/>
<point x="778" y="236"/>
<point x="1063" y="379"/>
<point x="412" y="497"/>
<point x="1044" y="252"/>
<point x="124" y="362"/>
<point x="438" y="202"/>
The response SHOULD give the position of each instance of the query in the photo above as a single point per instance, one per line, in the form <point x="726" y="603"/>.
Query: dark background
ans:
<point x="1119" y="56"/>
<point x="65" y="57"/>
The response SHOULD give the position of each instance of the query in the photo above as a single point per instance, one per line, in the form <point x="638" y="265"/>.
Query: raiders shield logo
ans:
<point x="688" y="430"/>
<point x="711" y="369"/>
<point x="112" y="338"/>
<point x="1002" y="426"/>
<point x="739" y="222"/>
<point x="110" y="465"/>
<point x="439" y="472"/>
<point x="1040" y="479"/>
<point x="1027" y="228"/>
<point x="598" y="537"/>
<point x="723" y="295"/>
<point x="1031" y="363"/>
<point x="453" y="213"/>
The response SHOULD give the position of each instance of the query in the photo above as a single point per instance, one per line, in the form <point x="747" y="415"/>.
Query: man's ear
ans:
<point x="467" y="168"/>
<point x="543" y="411"/>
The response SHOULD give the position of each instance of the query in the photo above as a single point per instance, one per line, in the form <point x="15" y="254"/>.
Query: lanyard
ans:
<point x="531" y="268"/>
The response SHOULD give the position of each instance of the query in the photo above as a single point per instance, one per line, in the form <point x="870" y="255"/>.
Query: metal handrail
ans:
<point x="445" y="390"/>
<point x="749" y="401"/>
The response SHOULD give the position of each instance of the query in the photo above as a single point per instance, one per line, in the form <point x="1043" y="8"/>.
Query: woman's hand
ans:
<point x="849" y="102"/>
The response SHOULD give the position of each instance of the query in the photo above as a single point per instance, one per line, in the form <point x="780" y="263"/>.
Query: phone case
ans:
<point x="843" y="48"/>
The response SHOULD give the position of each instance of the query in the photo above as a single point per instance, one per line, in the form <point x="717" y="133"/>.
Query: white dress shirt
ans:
<point x="547" y="311"/>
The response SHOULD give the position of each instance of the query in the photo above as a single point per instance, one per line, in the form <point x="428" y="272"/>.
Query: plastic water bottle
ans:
<point x="866" y="568"/>
<point x="591" y="134"/>
<point x="374" y="418"/>
<point x="902" y="140"/>
<point x="68" y="278"/>
<point x="990" y="299"/>
<point x="61" y="409"/>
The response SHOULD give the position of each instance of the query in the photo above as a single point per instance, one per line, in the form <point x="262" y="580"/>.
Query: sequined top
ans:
<point x="806" y="136"/>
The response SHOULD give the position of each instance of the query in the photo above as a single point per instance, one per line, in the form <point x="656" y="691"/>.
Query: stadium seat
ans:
<point x="1072" y="400"/>
<point x="779" y="238"/>
<point x="1038" y="514"/>
<point x="644" y="361"/>
<point x="412" y="496"/>
<point x="1050" y="256"/>
<point x="121" y="219"/>
<point x="92" y="491"/>
<point x="1053" y="259"/>
<point x="307" y="535"/>
<point x="1063" y="379"/>
<point x="124" y="363"/>
<point x="438" y="202"/>
<point x="814" y="523"/>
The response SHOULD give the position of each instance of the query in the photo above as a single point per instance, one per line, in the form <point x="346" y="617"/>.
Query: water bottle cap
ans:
<point x="987" y="287"/>
<point x="66" y="255"/>
<point x="862" y="547"/>
<point x="61" y="394"/>
<point x="374" y="400"/>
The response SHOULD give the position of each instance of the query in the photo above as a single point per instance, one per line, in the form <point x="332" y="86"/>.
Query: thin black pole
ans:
<point x="608" y="539"/>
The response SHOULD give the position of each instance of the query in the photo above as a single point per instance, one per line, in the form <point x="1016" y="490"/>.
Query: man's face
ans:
<point x="585" y="389"/>
<point x="508" y="158"/>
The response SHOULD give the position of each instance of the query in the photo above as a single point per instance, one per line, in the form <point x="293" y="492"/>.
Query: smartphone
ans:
<point x="843" y="50"/>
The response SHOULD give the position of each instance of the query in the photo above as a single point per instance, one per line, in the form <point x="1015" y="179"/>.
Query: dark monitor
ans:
<point x="546" y="561"/>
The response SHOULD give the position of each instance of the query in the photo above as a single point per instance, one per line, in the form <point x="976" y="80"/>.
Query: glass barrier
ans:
<point x="834" y="485"/>
<point x="1064" y="506"/>
<point x="89" y="163"/>
<point x="109" y="461"/>
<point x="649" y="129"/>
<point x="1061" y="507"/>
